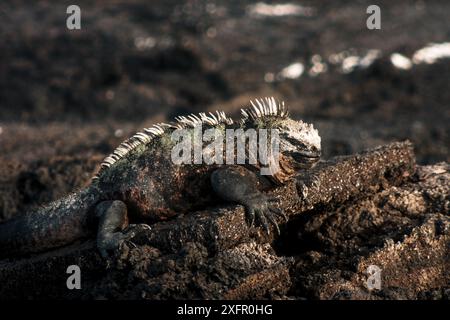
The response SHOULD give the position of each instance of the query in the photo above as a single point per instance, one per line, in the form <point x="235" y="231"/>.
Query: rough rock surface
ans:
<point x="404" y="230"/>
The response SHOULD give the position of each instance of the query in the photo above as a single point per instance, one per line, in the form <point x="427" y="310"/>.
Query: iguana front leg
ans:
<point x="113" y="227"/>
<point x="238" y="184"/>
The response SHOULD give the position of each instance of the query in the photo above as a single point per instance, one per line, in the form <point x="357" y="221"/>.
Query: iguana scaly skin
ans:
<point x="140" y="182"/>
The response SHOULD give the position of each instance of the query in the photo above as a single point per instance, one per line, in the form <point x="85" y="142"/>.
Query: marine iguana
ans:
<point x="139" y="182"/>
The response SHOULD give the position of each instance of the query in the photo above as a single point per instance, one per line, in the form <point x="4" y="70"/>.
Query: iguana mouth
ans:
<point x="306" y="156"/>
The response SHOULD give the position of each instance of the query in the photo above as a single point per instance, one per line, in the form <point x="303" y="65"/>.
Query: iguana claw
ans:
<point x="258" y="206"/>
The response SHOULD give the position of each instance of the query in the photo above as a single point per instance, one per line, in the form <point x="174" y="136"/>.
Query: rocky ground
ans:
<point x="67" y="98"/>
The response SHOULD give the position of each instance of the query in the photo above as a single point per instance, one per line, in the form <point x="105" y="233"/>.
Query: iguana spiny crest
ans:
<point x="299" y="141"/>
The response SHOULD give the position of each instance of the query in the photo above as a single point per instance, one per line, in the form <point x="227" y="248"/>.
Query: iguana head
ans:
<point x="299" y="142"/>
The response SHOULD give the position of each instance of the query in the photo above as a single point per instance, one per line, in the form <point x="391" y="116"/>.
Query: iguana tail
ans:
<point x="59" y="223"/>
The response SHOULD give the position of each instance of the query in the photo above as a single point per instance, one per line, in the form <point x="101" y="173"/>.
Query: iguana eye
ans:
<point x="295" y="142"/>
